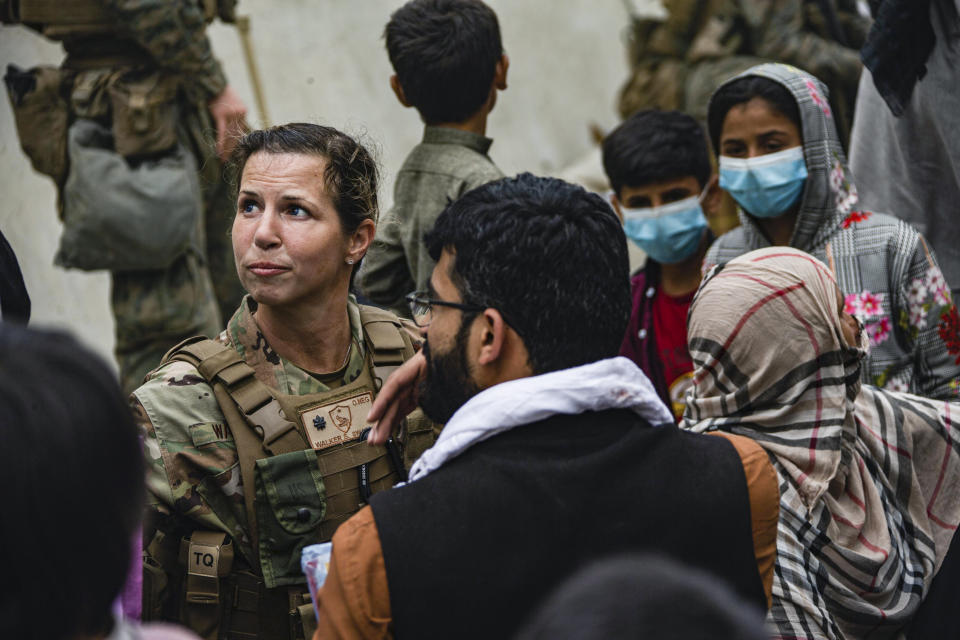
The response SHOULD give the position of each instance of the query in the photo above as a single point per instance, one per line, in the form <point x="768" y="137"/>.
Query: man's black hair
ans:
<point x="644" y="596"/>
<point x="651" y="146"/>
<point x="445" y="54"/>
<point x="71" y="467"/>
<point x="551" y="257"/>
<point x="743" y="90"/>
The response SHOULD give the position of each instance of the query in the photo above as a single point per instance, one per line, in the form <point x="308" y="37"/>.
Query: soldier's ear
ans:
<point x="398" y="91"/>
<point x="360" y="241"/>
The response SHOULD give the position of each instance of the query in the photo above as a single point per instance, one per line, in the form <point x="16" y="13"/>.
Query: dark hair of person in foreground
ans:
<point x="71" y="468"/>
<point x="644" y="596"/>
<point x="526" y="245"/>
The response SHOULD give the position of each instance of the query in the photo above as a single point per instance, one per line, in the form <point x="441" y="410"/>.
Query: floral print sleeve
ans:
<point x="926" y="318"/>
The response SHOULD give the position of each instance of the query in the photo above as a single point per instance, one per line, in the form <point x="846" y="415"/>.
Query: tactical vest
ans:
<point x="305" y="468"/>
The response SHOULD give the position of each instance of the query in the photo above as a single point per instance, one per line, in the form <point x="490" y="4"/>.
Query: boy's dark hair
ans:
<point x="551" y="257"/>
<point x="71" y="466"/>
<point x="350" y="177"/>
<point x="644" y="596"/>
<point x="445" y="54"/>
<point x="743" y="90"/>
<point x="651" y="146"/>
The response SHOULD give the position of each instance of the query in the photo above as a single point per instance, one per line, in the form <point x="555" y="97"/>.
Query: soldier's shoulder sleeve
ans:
<point x="187" y="441"/>
<point x="173" y="32"/>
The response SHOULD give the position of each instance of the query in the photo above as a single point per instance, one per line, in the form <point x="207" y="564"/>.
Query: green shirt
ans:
<point x="444" y="166"/>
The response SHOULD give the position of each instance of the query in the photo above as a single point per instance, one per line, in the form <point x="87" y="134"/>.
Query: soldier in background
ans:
<point x="140" y="66"/>
<point x="679" y="61"/>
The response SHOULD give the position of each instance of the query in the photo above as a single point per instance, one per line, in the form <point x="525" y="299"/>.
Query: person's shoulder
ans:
<point x="454" y="160"/>
<point x="727" y="247"/>
<point x="643" y="277"/>
<point x="383" y="328"/>
<point x="176" y="396"/>
<point x="868" y="229"/>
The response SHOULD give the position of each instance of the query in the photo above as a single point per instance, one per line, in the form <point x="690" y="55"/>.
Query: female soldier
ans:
<point x="781" y="161"/>
<point x="255" y="440"/>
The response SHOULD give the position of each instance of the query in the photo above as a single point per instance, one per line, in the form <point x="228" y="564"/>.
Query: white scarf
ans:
<point x="614" y="383"/>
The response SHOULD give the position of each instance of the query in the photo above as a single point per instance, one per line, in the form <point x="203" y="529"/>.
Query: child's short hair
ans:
<point x="444" y="53"/>
<point x="651" y="146"/>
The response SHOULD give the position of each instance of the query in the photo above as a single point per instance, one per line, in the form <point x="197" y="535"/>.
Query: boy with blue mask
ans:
<point x="658" y="164"/>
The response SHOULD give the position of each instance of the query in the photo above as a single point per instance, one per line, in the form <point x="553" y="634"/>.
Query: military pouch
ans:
<point x="122" y="215"/>
<point x="144" y="110"/>
<point x="208" y="558"/>
<point x="291" y="503"/>
<point x="41" y="113"/>
<point x="155" y="589"/>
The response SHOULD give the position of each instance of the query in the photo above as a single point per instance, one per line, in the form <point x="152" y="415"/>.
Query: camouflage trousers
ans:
<point x="154" y="310"/>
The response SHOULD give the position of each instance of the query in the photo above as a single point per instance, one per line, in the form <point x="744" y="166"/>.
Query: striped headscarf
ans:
<point x="869" y="479"/>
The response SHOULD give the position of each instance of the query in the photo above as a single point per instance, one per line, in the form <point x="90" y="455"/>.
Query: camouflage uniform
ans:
<point x="155" y="309"/>
<point x="194" y="478"/>
<point x="679" y="62"/>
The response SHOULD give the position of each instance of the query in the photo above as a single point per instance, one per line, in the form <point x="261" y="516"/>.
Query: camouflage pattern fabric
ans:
<point x="679" y="62"/>
<point x="173" y="34"/>
<point x="193" y="468"/>
<point x="155" y="310"/>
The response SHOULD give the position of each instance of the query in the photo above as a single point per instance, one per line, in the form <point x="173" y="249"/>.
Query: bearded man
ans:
<point x="555" y="451"/>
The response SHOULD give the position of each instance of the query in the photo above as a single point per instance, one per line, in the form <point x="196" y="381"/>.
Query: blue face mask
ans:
<point x="765" y="186"/>
<point x="668" y="234"/>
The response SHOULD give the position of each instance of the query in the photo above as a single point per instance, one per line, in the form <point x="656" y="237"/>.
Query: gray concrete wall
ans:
<point x="324" y="61"/>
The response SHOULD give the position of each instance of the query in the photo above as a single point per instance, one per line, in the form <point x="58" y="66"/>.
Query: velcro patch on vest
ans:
<point x="337" y="422"/>
<point x="202" y="560"/>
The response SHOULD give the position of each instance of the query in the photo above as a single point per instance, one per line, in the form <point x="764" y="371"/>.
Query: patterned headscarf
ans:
<point x="829" y="193"/>
<point x="869" y="480"/>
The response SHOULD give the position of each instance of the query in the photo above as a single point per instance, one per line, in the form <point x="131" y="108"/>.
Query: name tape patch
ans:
<point x="337" y="422"/>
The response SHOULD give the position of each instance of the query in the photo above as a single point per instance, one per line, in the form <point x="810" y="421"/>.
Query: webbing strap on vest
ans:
<point x="246" y="401"/>
<point x="218" y="363"/>
<point x="386" y="340"/>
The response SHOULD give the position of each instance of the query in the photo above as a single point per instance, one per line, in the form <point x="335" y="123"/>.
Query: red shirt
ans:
<point x="670" y="332"/>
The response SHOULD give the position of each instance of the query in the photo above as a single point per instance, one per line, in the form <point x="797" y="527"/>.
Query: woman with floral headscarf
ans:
<point x="869" y="479"/>
<point x="781" y="160"/>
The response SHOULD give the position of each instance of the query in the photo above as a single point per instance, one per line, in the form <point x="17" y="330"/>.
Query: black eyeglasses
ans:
<point x="421" y="307"/>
